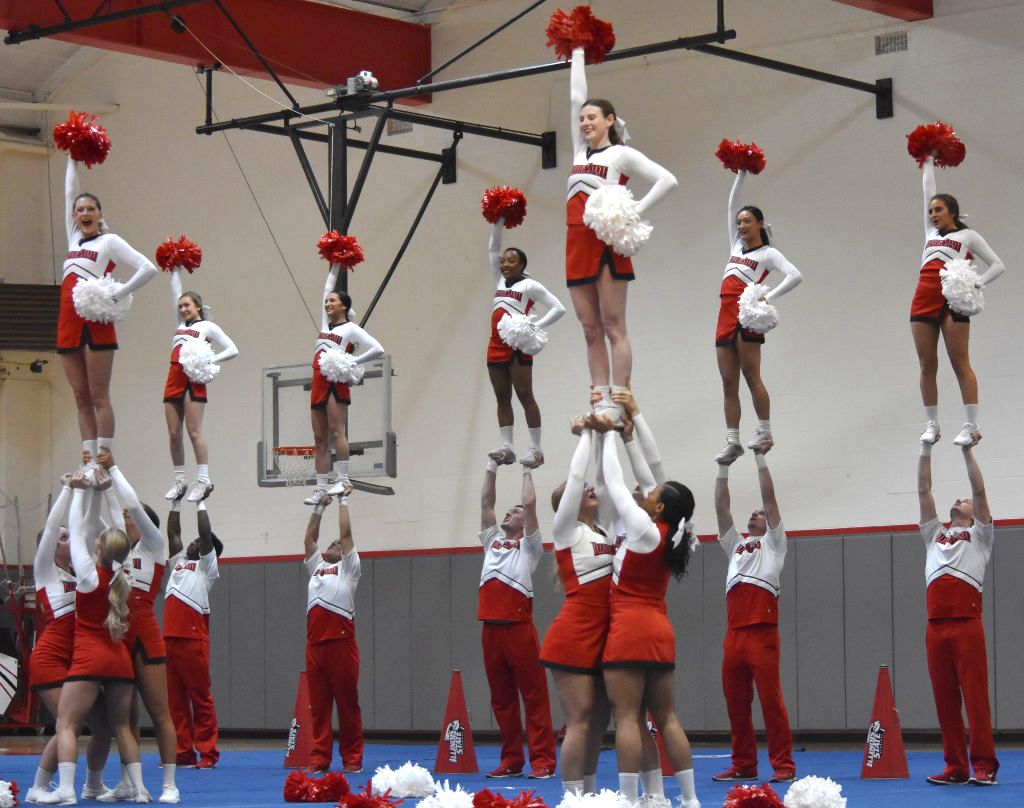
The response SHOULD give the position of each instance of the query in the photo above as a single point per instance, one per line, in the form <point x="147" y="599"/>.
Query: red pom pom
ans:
<point x="83" y="138"/>
<point x="300" y="787"/>
<point x="183" y="253"/>
<point x="528" y="799"/>
<point x="488" y="799"/>
<point x="737" y="156"/>
<point x="339" y="249"/>
<point x="367" y="799"/>
<point x="501" y="201"/>
<point x="580" y="29"/>
<point x="762" y="796"/>
<point x="937" y="140"/>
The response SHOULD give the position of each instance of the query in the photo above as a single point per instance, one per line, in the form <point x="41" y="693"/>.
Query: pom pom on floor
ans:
<point x="445" y="796"/>
<point x="83" y="138"/>
<point x="504" y="202"/>
<point x="300" y="787"/>
<point x="489" y="799"/>
<point x="737" y="156"/>
<point x="815" y="792"/>
<point x="339" y="249"/>
<point x="183" y="253"/>
<point x="580" y="29"/>
<point x="94" y="300"/>
<point x="756" y="314"/>
<point x="8" y="794"/>
<point x="520" y="332"/>
<point x="408" y="780"/>
<point x="196" y="358"/>
<point x="960" y="287"/>
<point x="367" y="799"/>
<point x="936" y="140"/>
<point x="762" y="796"/>
<point x="338" y="366"/>
<point x="611" y="213"/>
<point x="605" y="798"/>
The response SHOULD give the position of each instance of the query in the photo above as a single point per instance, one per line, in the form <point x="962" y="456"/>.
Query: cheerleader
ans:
<point x="185" y="400"/>
<point x="332" y="655"/>
<point x="955" y="562"/>
<point x="946" y="238"/>
<point x="639" y="654"/>
<point x="193" y="572"/>
<point x="51" y="656"/>
<point x="86" y="346"/>
<point x="143" y="638"/>
<point x="100" y="658"/>
<point x="574" y="643"/>
<point x="329" y="400"/>
<point x="601" y="158"/>
<point x="739" y="349"/>
<point x="508" y="368"/>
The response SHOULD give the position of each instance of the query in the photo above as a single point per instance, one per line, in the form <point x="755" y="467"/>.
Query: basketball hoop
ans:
<point x="295" y="463"/>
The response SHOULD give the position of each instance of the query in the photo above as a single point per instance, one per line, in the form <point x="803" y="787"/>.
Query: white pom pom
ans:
<point x="520" y="332"/>
<point x="960" y="287"/>
<point x="7" y="799"/>
<point x="94" y="300"/>
<point x="756" y="314"/>
<point x="408" y="780"/>
<point x="611" y="214"/>
<point x="815" y="792"/>
<point x="338" y="366"/>
<point x="446" y="797"/>
<point x="383" y="779"/>
<point x="605" y="798"/>
<point x="196" y="357"/>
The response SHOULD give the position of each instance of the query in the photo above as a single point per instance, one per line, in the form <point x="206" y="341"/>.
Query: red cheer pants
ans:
<point x="332" y="673"/>
<point x="190" y="699"/>
<point x="752" y="658"/>
<point x="957" y="664"/>
<point x="512" y="662"/>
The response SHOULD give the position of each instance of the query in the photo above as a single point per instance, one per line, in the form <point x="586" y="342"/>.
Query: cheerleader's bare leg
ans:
<point x="926" y="342"/>
<point x="661" y="700"/>
<point x="729" y="370"/>
<point x="174" y="415"/>
<point x="78" y="377"/>
<point x="612" y="295"/>
<point x="522" y="381"/>
<point x="151" y="681"/>
<point x="580" y="695"/>
<point x="957" y="336"/>
<point x="626" y="694"/>
<point x="99" y="366"/>
<point x="337" y="418"/>
<point x="194" y="411"/>
<point x="750" y="366"/>
<point x="587" y="305"/>
<point x="501" y="383"/>
<point x="321" y="455"/>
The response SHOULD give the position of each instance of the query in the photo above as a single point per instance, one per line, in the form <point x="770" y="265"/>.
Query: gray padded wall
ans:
<point x="849" y="604"/>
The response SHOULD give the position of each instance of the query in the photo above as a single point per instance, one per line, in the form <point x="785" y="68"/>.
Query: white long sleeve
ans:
<point x="734" y="207"/>
<point x="72" y="187"/>
<point x="176" y="292"/>
<point x="374" y="349"/>
<point x="641" y="532"/>
<point x="554" y="306"/>
<point x="222" y="343"/>
<point x="43" y="566"/>
<point x="776" y="260"/>
<point x="494" y="248"/>
<point x="928" y="188"/>
<point x="996" y="267"/>
<point x="329" y="284"/>
<point x="123" y="253"/>
<point x="641" y="471"/>
<point x="577" y="95"/>
<point x="81" y="558"/>
<point x="563" y="527"/>
<point x="636" y="164"/>
<point x="645" y="437"/>
<point x="151" y="537"/>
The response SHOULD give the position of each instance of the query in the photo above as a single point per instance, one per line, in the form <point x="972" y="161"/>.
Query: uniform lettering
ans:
<point x="602" y="549"/>
<point x="191" y="566"/>
<point x="944" y="242"/>
<point x="509" y="293"/>
<point x="747" y="262"/>
<point x="749" y="547"/>
<point x="187" y="332"/>
<point x="945" y="537"/>
<point x="70" y="586"/>
<point x="331" y="337"/>
<point x="507" y="544"/>
<point x="327" y="571"/>
<point x="591" y="168"/>
<point x="90" y="255"/>
<point x="136" y="563"/>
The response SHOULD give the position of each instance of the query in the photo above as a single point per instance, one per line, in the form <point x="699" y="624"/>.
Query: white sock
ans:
<point x="169" y="770"/>
<point x="105" y="443"/>
<point x="732" y="435"/>
<point x="90" y="447"/>
<point x="629" y="785"/>
<point x="686" y="787"/>
<point x="126" y="777"/>
<point x="931" y="412"/>
<point x="506" y="434"/>
<point x="94" y="779"/>
<point x="321" y="479"/>
<point x="179" y="474"/>
<point x="534" y="437"/>
<point x="203" y="472"/>
<point x="341" y="468"/>
<point x="589" y="783"/>
<point x="67" y="776"/>
<point x="764" y="427"/>
<point x="43" y="779"/>
<point x="653" y="782"/>
<point x="572" y="786"/>
<point x="971" y="413"/>
<point x="134" y="771"/>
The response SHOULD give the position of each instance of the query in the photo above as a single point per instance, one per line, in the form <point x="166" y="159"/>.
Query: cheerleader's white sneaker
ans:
<point x="176" y="491"/>
<point x="931" y="433"/>
<point x="729" y="453"/>
<point x="503" y="455"/>
<point x="966" y="436"/>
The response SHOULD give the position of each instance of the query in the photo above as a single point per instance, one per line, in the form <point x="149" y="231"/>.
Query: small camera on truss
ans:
<point x="364" y="82"/>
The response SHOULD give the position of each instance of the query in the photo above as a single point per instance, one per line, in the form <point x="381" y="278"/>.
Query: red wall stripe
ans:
<point x="900" y="9"/>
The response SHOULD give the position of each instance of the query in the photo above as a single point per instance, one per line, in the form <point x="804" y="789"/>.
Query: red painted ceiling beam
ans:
<point x="900" y="9"/>
<point x="307" y="43"/>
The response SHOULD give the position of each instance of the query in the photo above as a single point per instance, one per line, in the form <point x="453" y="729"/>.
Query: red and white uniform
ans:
<point x="178" y="382"/>
<point x="585" y="254"/>
<point x="746" y="267"/>
<point x="147" y="559"/>
<point x="347" y="337"/>
<point x="517" y="297"/>
<point x="751" y="655"/>
<point x="96" y="655"/>
<point x="955" y="640"/>
<point x="332" y="658"/>
<point x="89" y="258"/>
<point x="55" y="602"/>
<point x="511" y="649"/>
<point x="187" y="637"/>
<point x="929" y="305"/>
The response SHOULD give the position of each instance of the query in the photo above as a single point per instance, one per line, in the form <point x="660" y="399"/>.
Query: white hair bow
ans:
<point x="620" y="127"/>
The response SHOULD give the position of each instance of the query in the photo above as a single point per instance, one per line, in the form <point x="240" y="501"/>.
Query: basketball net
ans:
<point x="294" y="463"/>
